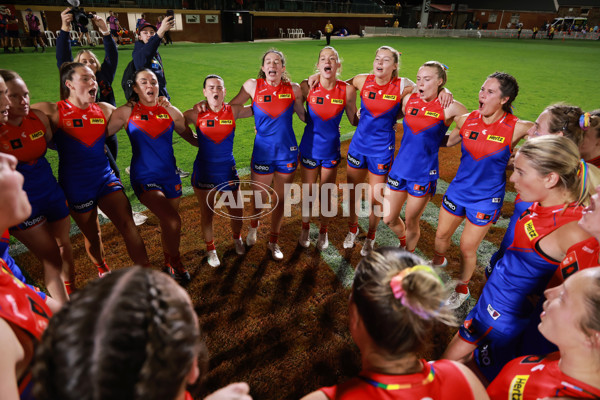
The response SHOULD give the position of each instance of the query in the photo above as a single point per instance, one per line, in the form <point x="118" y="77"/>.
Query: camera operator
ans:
<point x="145" y="53"/>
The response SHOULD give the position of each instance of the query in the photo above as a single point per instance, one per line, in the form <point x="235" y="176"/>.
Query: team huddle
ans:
<point x="541" y="296"/>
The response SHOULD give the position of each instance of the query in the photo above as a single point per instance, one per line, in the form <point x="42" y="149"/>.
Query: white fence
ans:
<point x="500" y="33"/>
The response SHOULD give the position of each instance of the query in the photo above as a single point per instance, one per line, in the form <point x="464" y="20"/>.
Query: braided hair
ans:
<point x="130" y="335"/>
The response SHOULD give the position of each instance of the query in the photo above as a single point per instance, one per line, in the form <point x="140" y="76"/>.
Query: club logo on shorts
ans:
<point x="308" y="161"/>
<point x="493" y="313"/>
<point x="261" y="167"/>
<point x="36" y="135"/>
<point x="285" y="96"/>
<point x="382" y="167"/>
<point x="517" y="387"/>
<point x="96" y="121"/>
<point x="393" y="182"/>
<point x="418" y="188"/>
<point x="432" y="114"/>
<point x="391" y="97"/>
<point x="472" y="135"/>
<point x="337" y="101"/>
<point x="483" y="216"/>
<point x="495" y="138"/>
<point x="530" y="230"/>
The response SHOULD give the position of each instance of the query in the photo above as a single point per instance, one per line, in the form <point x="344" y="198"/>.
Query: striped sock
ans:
<point x="323" y="229"/>
<point x="402" y="241"/>
<point x="462" y="287"/>
<point x="274" y="237"/>
<point x="371" y="234"/>
<point x="305" y="226"/>
<point x="69" y="286"/>
<point x="236" y="235"/>
<point x="353" y="227"/>
<point x="210" y="246"/>
<point x="254" y="223"/>
<point x="102" y="268"/>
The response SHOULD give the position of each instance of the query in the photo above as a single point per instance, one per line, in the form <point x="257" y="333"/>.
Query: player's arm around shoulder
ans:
<point x="12" y="354"/>
<point x="246" y="92"/>
<point x="48" y="108"/>
<point x="521" y="131"/>
<point x="477" y="388"/>
<point x="299" y="102"/>
<point x="454" y="137"/>
<point x="351" y="111"/>
<point x="181" y="127"/>
<point x="118" y="119"/>
<point x="358" y="81"/>
<point x="454" y="110"/>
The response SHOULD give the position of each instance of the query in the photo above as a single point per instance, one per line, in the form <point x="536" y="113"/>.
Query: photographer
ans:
<point x="145" y="53"/>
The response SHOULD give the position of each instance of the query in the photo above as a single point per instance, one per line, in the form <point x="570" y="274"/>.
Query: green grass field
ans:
<point x="547" y="71"/>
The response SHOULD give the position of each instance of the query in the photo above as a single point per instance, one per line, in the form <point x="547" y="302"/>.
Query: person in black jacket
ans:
<point x="145" y="52"/>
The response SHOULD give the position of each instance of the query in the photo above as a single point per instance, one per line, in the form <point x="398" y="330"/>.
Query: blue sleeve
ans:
<point x="63" y="48"/>
<point x="111" y="59"/>
<point x="144" y="52"/>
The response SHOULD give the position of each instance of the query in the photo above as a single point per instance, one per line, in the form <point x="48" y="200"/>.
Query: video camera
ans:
<point x="79" y="15"/>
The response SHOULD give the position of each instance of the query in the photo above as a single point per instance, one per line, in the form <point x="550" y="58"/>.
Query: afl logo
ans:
<point x="263" y="196"/>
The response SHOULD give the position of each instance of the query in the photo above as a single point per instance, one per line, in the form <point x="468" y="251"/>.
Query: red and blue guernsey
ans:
<point x="273" y="108"/>
<point x="481" y="177"/>
<point x="321" y="139"/>
<point x="24" y="309"/>
<point x="150" y="130"/>
<point x="379" y="107"/>
<point x="424" y="128"/>
<point x="80" y="138"/>
<point x="439" y="380"/>
<point x="28" y="144"/>
<point x="215" y="131"/>
<point x="536" y="377"/>
<point x="504" y="309"/>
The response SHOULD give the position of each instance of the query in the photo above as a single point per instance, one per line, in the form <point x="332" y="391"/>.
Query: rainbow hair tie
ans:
<point x="445" y="67"/>
<point x="584" y="121"/>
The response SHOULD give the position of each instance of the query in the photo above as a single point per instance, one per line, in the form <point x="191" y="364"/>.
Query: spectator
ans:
<point x="328" y="31"/>
<point x="33" y="23"/>
<point x="114" y="26"/>
<point x="140" y="22"/>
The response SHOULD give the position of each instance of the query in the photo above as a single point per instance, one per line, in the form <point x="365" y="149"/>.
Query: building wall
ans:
<point x="529" y="19"/>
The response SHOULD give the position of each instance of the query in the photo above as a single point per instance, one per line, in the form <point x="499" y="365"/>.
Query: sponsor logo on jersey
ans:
<point x="432" y="114"/>
<point x="74" y="123"/>
<point x="414" y="111"/>
<point x="264" y="99"/>
<point x="495" y="138"/>
<point x="96" y="121"/>
<point x="483" y="216"/>
<point x="472" y="135"/>
<point x="391" y="97"/>
<point x="337" y="101"/>
<point x="162" y="116"/>
<point x="16" y="144"/>
<point x="320" y="100"/>
<point x="517" y="387"/>
<point x="286" y="96"/>
<point x="36" y="135"/>
<point x="530" y="230"/>
<point x="449" y="204"/>
<point x="493" y="313"/>
<point x="371" y="95"/>
<point x="535" y="359"/>
<point x="210" y="123"/>
<point x="569" y="265"/>
<point x="353" y="160"/>
<point x="226" y="122"/>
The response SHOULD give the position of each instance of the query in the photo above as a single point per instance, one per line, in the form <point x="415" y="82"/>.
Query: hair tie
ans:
<point x="396" y="281"/>
<point x="584" y="121"/>
<point x="445" y="67"/>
